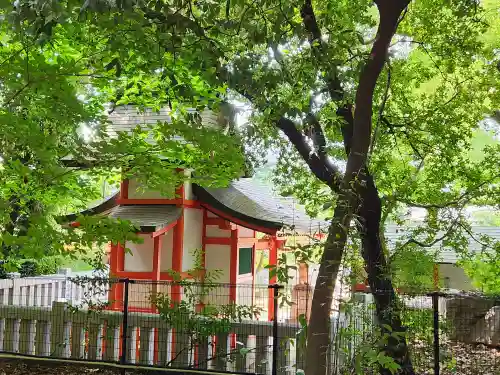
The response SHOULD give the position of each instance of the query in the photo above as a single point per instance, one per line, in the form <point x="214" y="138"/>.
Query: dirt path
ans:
<point x="17" y="367"/>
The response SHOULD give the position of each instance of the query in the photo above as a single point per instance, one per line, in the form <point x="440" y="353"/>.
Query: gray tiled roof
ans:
<point x="396" y="234"/>
<point x="149" y="218"/>
<point x="254" y="199"/>
<point x="100" y="206"/>
<point x="127" y="117"/>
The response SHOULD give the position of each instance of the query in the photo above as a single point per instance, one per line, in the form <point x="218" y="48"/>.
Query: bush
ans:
<point x="31" y="267"/>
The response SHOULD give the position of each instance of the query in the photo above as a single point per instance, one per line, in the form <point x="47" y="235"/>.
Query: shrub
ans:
<point x="31" y="267"/>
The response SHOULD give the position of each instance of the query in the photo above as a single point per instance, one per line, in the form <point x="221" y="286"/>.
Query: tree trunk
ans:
<point x="379" y="279"/>
<point x="318" y="329"/>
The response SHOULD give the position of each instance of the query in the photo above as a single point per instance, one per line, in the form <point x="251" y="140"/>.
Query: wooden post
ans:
<point x="436" y="276"/>
<point x="58" y="337"/>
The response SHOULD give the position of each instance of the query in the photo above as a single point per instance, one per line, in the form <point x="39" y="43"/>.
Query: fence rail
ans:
<point x="44" y="290"/>
<point x="446" y="334"/>
<point x="60" y="332"/>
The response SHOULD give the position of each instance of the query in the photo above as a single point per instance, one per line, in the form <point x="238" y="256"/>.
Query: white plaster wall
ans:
<point x="457" y="277"/>
<point x="136" y="191"/>
<point x="215" y="231"/>
<point x="245" y="232"/>
<point x="167" y="245"/>
<point x="141" y="259"/>
<point x="218" y="257"/>
<point x="193" y="232"/>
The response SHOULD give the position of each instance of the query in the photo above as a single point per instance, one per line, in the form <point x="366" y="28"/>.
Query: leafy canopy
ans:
<point x="438" y="85"/>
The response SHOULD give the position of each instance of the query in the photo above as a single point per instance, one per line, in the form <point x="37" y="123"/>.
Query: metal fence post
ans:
<point x="435" y="308"/>
<point x="123" y="359"/>
<point x="276" y="288"/>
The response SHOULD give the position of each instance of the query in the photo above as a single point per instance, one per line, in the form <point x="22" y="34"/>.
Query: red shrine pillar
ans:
<point x="273" y="261"/>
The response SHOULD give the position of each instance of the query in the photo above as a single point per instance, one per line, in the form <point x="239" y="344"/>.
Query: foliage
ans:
<point x="198" y="314"/>
<point x="31" y="267"/>
<point x="50" y="60"/>
<point x="360" y="343"/>
<point x="297" y="65"/>
<point x="413" y="269"/>
<point x="484" y="270"/>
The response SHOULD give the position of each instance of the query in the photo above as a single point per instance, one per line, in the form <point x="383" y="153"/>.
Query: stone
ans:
<point x="462" y="315"/>
<point x="487" y="330"/>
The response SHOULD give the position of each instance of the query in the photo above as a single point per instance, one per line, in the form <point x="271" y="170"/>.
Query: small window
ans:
<point x="245" y="260"/>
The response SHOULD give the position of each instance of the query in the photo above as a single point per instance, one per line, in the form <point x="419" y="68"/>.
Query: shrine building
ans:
<point x="229" y="225"/>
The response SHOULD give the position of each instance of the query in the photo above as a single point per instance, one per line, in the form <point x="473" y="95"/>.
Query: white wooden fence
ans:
<point x="44" y="290"/>
<point x="61" y="332"/>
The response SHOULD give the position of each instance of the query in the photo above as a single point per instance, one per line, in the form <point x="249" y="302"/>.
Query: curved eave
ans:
<point x="102" y="207"/>
<point x="216" y="207"/>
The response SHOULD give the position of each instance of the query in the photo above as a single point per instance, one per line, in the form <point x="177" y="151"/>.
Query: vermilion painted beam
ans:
<point x="221" y="223"/>
<point x="163" y="230"/>
<point x="218" y="240"/>
<point x="126" y="201"/>
<point x="164" y="276"/>
<point x="124" y="189"/>
<point x="238" y="221"/>
<point x="254" y="247"/>
<point x="120" y="257"/>
<point x="233" y="273"/>
<point x="177" y="202"/>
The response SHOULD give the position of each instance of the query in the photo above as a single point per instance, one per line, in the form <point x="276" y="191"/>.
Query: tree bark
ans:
<point x="352" y="183"/>
<point x="318" y="338"/>
<point x="379" y="279"/>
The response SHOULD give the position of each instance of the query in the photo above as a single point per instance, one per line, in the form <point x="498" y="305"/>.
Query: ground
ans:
<point x="14" y="366"/>
<point x="461" y="359"/>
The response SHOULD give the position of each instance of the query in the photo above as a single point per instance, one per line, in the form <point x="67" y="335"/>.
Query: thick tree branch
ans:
<point x="381" y="110"/>
<point x="390" y="12"/>
<point x="311" y="25"/>
<point x="346" y="112"/>
<point x="329" y="176"/>
<point x="319" y="141"/>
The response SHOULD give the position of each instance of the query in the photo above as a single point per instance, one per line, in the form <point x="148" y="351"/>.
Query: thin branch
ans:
<point x="317" y="46"/>
<point x="436" y="240"/>
<point x="175" y="357"/>
<point x="405" y="132"/>
<point x="11" y="56"/>
<point x="473" y="237"/>
<point x="16" y="94"/>
<point x="457" y="201"/>
<point x="381" y="110"/>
